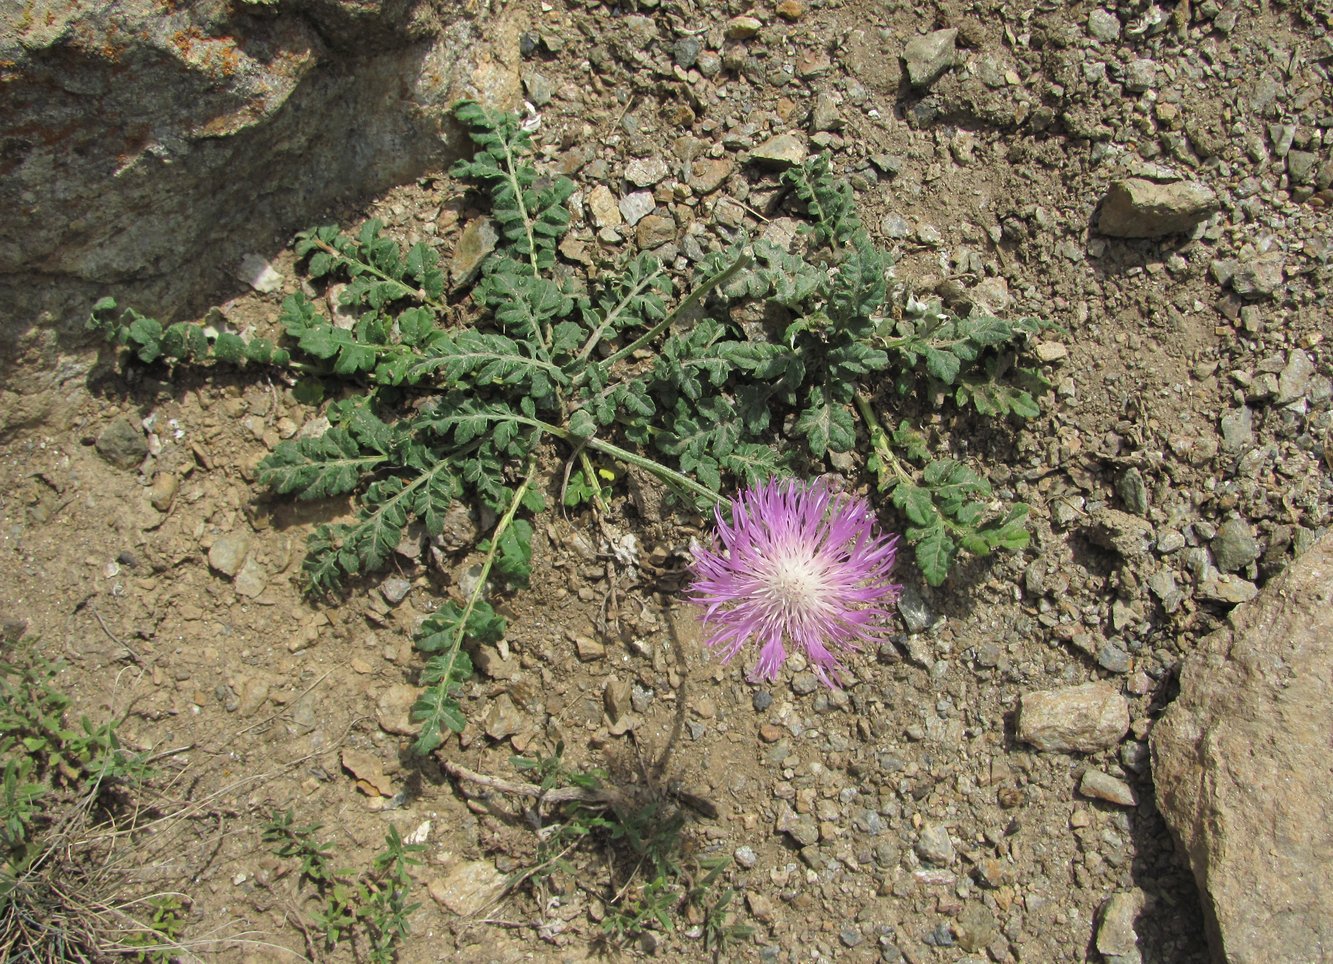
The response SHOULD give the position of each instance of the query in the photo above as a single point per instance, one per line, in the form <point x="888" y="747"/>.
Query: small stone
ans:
<point x="252" y="579"/>
<point x="791" y="10"/>
<point x="802" y="828"/>
<point x="588" y="649"/>
<point x="1133" y="491"/>
<point x="1103" y="25"/>
<point x="1080" y="719"/>
<point x="975" y="927"/>
<point x="1116" y="938"/>
<point x="784" y="150"/>
<point x="1227" y="588"/>
<point x="1237" y="430"/>
<point x="770" y="732"/>
<point x="162" y="493"/>
<point x="603" y="209"/>
<point x="850" y="936"/>
<point x="707" y="174"/>
<point x="393" y="710"/>
<point x="502" y="718"/>
<point x="1295" y="377"/>
<point x="636" y="206"/>
<point x="1258" y="278"/>
<point x="912" y="607"/>
<point x="537" y="88"/>
<point x="616" y="697"/>
<point x="255" y="271"/>
<point x="804" y="683"/>
<point x="934" y="846"/>
<point x="469" y="888"/>
<point x="1112" y="656"/>
<point x="1301" y="166"/>
<point x="1163" y="585"/>
<point x="1140" y="76"/>
<point x="645" y="172"/>
<point x="122" y="443"/>
<point x="1234" y="547"/>
<point x="824" y="114"/>
<point x="895" y="226"/>
<point x="761" y="906"/>
<point x="743" y="28"/>
<point x="685" y="52"/>
<point x="475" y="244"/>
<point x="928" y="57"/>
<point x="1136" y="207"/>
<point x="1103" y="786"/>
<point x="395" y="589"/>
<point x="1051" y="351"/>
<point x="654" y="231"/>
<point x="228" y="552"/>
<point x="746" y="858"/>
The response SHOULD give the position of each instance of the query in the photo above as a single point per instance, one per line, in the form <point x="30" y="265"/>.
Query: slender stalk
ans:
<point x="593" y="339"/>
<point x="879" y="439"/>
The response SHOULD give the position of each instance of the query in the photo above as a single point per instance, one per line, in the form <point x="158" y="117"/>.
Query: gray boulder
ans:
<point x="146" y="147"/>
<point x="1242" y="762"/>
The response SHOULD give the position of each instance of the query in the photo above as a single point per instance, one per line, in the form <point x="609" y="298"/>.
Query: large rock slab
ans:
<point x="1242" y="762"/>
<point x="144" y="143"/>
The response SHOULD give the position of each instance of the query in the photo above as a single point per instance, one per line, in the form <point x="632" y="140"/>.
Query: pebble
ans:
<point x="616" y="696"/>
<point x="1227" y="588"/>
<point x="1081" y="719"/>
<point x="685" y="52"/>
<point x="654" y="231"/>
<point x="502" y="718"/>
<point x="784" y="150"/>
<point x="975" y="927"/>
<point x="770" y="732"/>
<point x="393" y="710"/>
<point x="162" y="493"/>
<point x="1133" y="491"/>
<point x="469" y="888"/>
<point x="603" y="208"/>
<point x="588" y="649"/>
<point x="645" y="172"/>
<point x="1103" y="25"/>
<point x="122" y="443"/>
<point x="474" y="245"/>
<point x="395" y="589"/>
<point x="636" y="206"/>
<point x="1237" y="428"/>
<point x="800" y="827"/>
<point x="912" y="607"/>
<point x="1258" y="278"/>
<point x="1294" y="378"/>
<point x="934" y="846"/>
<point x="926" y="58"/>
<point x="743" y="27"/>
<point x="707" y="174"/>
<point x="252" y="580"/>
<point x="1234" y="547"/>
<point x="228" y="552"/>
<point x="255" y="270"/>
<point x="1103" y="786"/>
<point x="746" y="857"/>
<point x="1117" y="940"/>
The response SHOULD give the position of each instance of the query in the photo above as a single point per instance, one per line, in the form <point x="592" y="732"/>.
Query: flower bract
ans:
<point x="796" y="564"/>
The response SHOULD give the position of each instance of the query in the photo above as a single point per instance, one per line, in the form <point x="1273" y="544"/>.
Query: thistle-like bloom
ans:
<point x="797" y="564"/>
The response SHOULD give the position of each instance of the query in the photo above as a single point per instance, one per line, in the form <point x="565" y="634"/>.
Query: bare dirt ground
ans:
<point x="1174" y="408"/>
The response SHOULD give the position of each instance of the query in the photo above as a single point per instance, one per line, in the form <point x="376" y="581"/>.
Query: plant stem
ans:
<point x="644" y="283"/>
<point x="879" y="439"/>
<point x="530" y="472"/>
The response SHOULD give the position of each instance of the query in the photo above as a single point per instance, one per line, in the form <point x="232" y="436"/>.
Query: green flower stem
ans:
<point x="879" y="439"/>
<point x="697" y="295"/>
<point x="670" y="476"/>
<point x="530" y="472"/>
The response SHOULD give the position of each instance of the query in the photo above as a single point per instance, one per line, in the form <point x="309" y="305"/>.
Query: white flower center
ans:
<point x="795" y="582"/>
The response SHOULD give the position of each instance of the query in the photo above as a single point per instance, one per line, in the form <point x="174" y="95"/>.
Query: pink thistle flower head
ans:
<point x="797" y="564"/>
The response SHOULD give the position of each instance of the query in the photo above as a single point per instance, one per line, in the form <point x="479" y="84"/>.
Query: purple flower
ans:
<point x="798" y="564"/>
